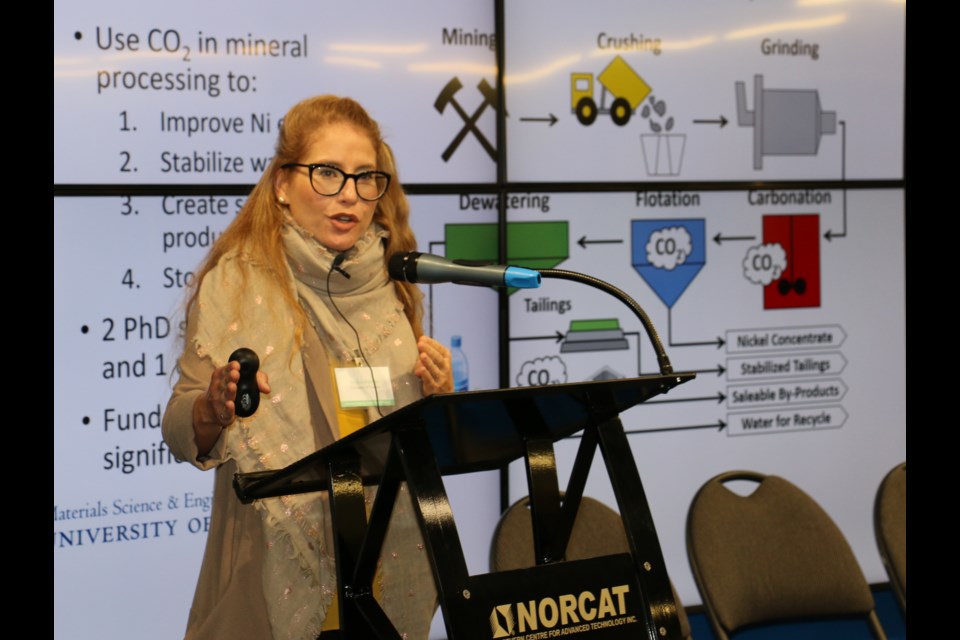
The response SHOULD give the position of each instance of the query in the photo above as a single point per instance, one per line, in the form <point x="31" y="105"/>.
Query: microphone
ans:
<point x="427" y="268"/>
<point x="337" y="261"/>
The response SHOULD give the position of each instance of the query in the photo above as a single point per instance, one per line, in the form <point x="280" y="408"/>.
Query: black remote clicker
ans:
<point x="248" y="392"/>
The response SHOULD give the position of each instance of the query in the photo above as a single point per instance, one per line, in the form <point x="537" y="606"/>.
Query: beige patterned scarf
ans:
<point x="299" y="576"/>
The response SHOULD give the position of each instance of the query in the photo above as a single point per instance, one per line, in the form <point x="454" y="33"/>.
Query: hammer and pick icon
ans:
<point x="446" y="97"/>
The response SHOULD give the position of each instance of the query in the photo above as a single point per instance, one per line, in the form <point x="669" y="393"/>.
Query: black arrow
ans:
<point x="557" y="336"/>
<point x="719" y="370"/>
<point x="719" y="238"/>
<point x="830" y="235"/>
<point x="718" y="425"/>
<point x="722" y="122"/>
<point x="552" y="119"/>
<point x="718" y="398"/>
<point x="719" y="342"/>
<point x="583" y="242"/>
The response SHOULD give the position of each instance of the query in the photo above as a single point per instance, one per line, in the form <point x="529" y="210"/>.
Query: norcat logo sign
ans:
<point x="508" y="620"/>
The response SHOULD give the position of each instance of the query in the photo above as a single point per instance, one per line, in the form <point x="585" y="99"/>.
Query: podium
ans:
<point x="615" y="596"/>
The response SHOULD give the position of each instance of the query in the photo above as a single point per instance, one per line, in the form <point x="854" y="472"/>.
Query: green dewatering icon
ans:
<point x="532" y="245"/>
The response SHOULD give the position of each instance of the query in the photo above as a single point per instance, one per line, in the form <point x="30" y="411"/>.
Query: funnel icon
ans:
<point x="663" y="153"/>
<point x="668" y="254"/>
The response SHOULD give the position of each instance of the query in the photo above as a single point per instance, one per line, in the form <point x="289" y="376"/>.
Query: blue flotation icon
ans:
<point x="668" y="254"/>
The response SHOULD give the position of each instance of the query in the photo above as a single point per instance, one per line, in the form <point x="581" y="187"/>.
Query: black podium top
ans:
<point x="469" y="431"/>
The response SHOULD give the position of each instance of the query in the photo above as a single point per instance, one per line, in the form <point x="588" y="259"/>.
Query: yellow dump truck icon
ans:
<point x="624" y="85"/>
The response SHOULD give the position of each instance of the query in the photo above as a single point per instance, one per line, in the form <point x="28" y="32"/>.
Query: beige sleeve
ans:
<point x="177" y="425"/>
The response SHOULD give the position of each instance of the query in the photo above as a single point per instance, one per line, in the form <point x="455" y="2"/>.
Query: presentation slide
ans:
<point x="126" y="512"/>
<point x="801" y="368"/>
<point x="183" y="93"/>
<point x="609" y="91"/>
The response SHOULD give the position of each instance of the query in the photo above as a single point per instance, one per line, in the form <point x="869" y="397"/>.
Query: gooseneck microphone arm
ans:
<point x="426" y="268"/>
<point x="560" y="274"/>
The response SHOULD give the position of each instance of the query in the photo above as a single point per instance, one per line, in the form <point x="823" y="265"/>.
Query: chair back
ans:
<point x="890" y="526"/>
<point x="772" y="556"/>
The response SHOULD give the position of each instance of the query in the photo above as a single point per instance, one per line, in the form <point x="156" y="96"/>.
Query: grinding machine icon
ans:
<point x="786" y="122"/>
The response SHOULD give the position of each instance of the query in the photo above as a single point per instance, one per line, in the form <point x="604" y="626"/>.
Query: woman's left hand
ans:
<point x="433" y="367"/>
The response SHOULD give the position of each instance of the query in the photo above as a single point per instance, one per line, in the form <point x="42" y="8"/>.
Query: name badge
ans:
<point x="356" y="387"/>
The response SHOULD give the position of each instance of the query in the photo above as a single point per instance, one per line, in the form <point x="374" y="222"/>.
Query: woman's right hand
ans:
<point x="222" y="393"/>
<point x="216" y="409"/>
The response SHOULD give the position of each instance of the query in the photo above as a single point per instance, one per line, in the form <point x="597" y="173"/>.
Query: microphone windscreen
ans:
<point x="398" y="265"/>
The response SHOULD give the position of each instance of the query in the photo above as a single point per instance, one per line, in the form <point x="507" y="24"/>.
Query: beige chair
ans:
<point x="773" y="556"/>
<point x="890" y="526"/>
<point x="597" y="531"/>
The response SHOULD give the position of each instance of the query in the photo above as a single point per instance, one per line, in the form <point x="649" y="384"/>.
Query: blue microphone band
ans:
<point x="521" y="278"/>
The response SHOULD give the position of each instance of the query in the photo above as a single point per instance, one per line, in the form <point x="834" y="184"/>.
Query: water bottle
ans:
<point x="458" y="361"/>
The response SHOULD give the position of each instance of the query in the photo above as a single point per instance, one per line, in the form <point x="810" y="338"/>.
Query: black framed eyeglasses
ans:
<point x="328" y="180"/>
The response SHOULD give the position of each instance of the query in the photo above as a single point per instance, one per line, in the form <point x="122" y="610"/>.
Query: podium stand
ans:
<point x="616" y="596"/>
